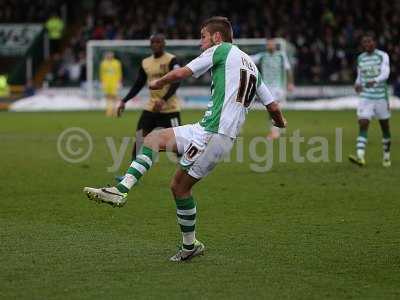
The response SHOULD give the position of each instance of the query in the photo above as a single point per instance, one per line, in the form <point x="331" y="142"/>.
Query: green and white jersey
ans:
<point x="235" y="82"/>
<point x="373" y="67"/>
<point x="274" y="67"/>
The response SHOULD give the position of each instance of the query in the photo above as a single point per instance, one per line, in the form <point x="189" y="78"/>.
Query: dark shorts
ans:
<point x="148" y="121"/>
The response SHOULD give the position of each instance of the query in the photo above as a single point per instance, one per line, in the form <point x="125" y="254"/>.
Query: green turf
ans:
<point x="300" y="231"/>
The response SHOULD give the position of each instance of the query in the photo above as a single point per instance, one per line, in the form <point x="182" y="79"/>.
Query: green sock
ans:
<point x="186" y="215"/>
<point x="138" y="167"/>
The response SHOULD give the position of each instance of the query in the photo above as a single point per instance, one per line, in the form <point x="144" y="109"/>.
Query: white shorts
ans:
<point x="278" y="94"/>
<point x="201" y="150"/>
<point x="368" y="109"/>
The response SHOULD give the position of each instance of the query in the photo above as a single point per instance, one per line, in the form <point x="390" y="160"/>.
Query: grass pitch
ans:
<point x="327" y="230"/>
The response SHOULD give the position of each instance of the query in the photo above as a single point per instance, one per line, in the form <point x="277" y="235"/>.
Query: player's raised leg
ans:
<point x="181" y="187"/>
<point x="158" y="140"/>
<point x="386" y="142"/>
<point x="361" y="144"/>
<point x="145" y="126"/>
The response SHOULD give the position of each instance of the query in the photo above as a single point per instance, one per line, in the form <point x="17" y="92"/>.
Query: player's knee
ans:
<point x="159" y="140"/>
<point x="148" y="138"/>
<point x="363" y="123"/>
<point x="178" y="190"/>
<point x="384" y="123"/>
<point x="175" y="187"/>
<point x="151" y="140"/>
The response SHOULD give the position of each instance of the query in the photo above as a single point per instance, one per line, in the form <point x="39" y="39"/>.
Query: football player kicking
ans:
<point x="235" y="82"/>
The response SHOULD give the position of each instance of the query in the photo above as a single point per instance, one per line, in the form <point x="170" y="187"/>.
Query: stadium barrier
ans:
<point x="75" y="99"/>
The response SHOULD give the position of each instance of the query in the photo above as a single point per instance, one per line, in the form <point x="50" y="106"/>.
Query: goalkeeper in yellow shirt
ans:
<point x="110" y="78"/>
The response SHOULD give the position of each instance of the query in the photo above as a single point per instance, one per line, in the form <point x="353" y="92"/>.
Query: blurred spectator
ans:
<point x="25" y="11"/>
<point x="82" y="60"/>
<point x="325" y="33"/>
<point x="74" y="70"/>
<point x="396" y="88"/>
<point x="58" y="74"/>
<point x="99" y="31"/>
<point x="29" y="89"/>
<point x="55" y="28"/>
<point x="67" y="69"/>
<point x="4" y="87"/>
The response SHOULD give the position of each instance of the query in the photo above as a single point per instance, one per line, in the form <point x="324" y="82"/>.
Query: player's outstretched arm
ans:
<point x="276" y="115"/>
<point x="138" y="85"/>
<point x="173" y="65"/>
<point x="170" y="77"/>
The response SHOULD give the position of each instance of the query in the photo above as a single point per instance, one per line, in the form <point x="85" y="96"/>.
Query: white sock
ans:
<point x="386" y="155"/>
<point x="360" y="153"/>
<point x="188" y="237"/>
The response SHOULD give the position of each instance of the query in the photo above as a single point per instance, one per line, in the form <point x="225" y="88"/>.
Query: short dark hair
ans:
<point x="157" y="35"/>
<point x="369" y="34"/>
<point x="221" y="25"/>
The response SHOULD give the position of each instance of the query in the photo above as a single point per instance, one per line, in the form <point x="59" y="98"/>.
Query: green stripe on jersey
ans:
<point x="212" y="116"/>
<point x="372" y="57"/>
<point x="377" y="96"/>
<point x="370" y="66"/>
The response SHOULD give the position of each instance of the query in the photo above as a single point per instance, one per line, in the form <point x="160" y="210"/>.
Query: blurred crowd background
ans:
<point x="325" y="34"/>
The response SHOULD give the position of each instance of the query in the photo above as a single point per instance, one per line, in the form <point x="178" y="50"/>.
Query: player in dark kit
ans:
<point x="163" y="107"/>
